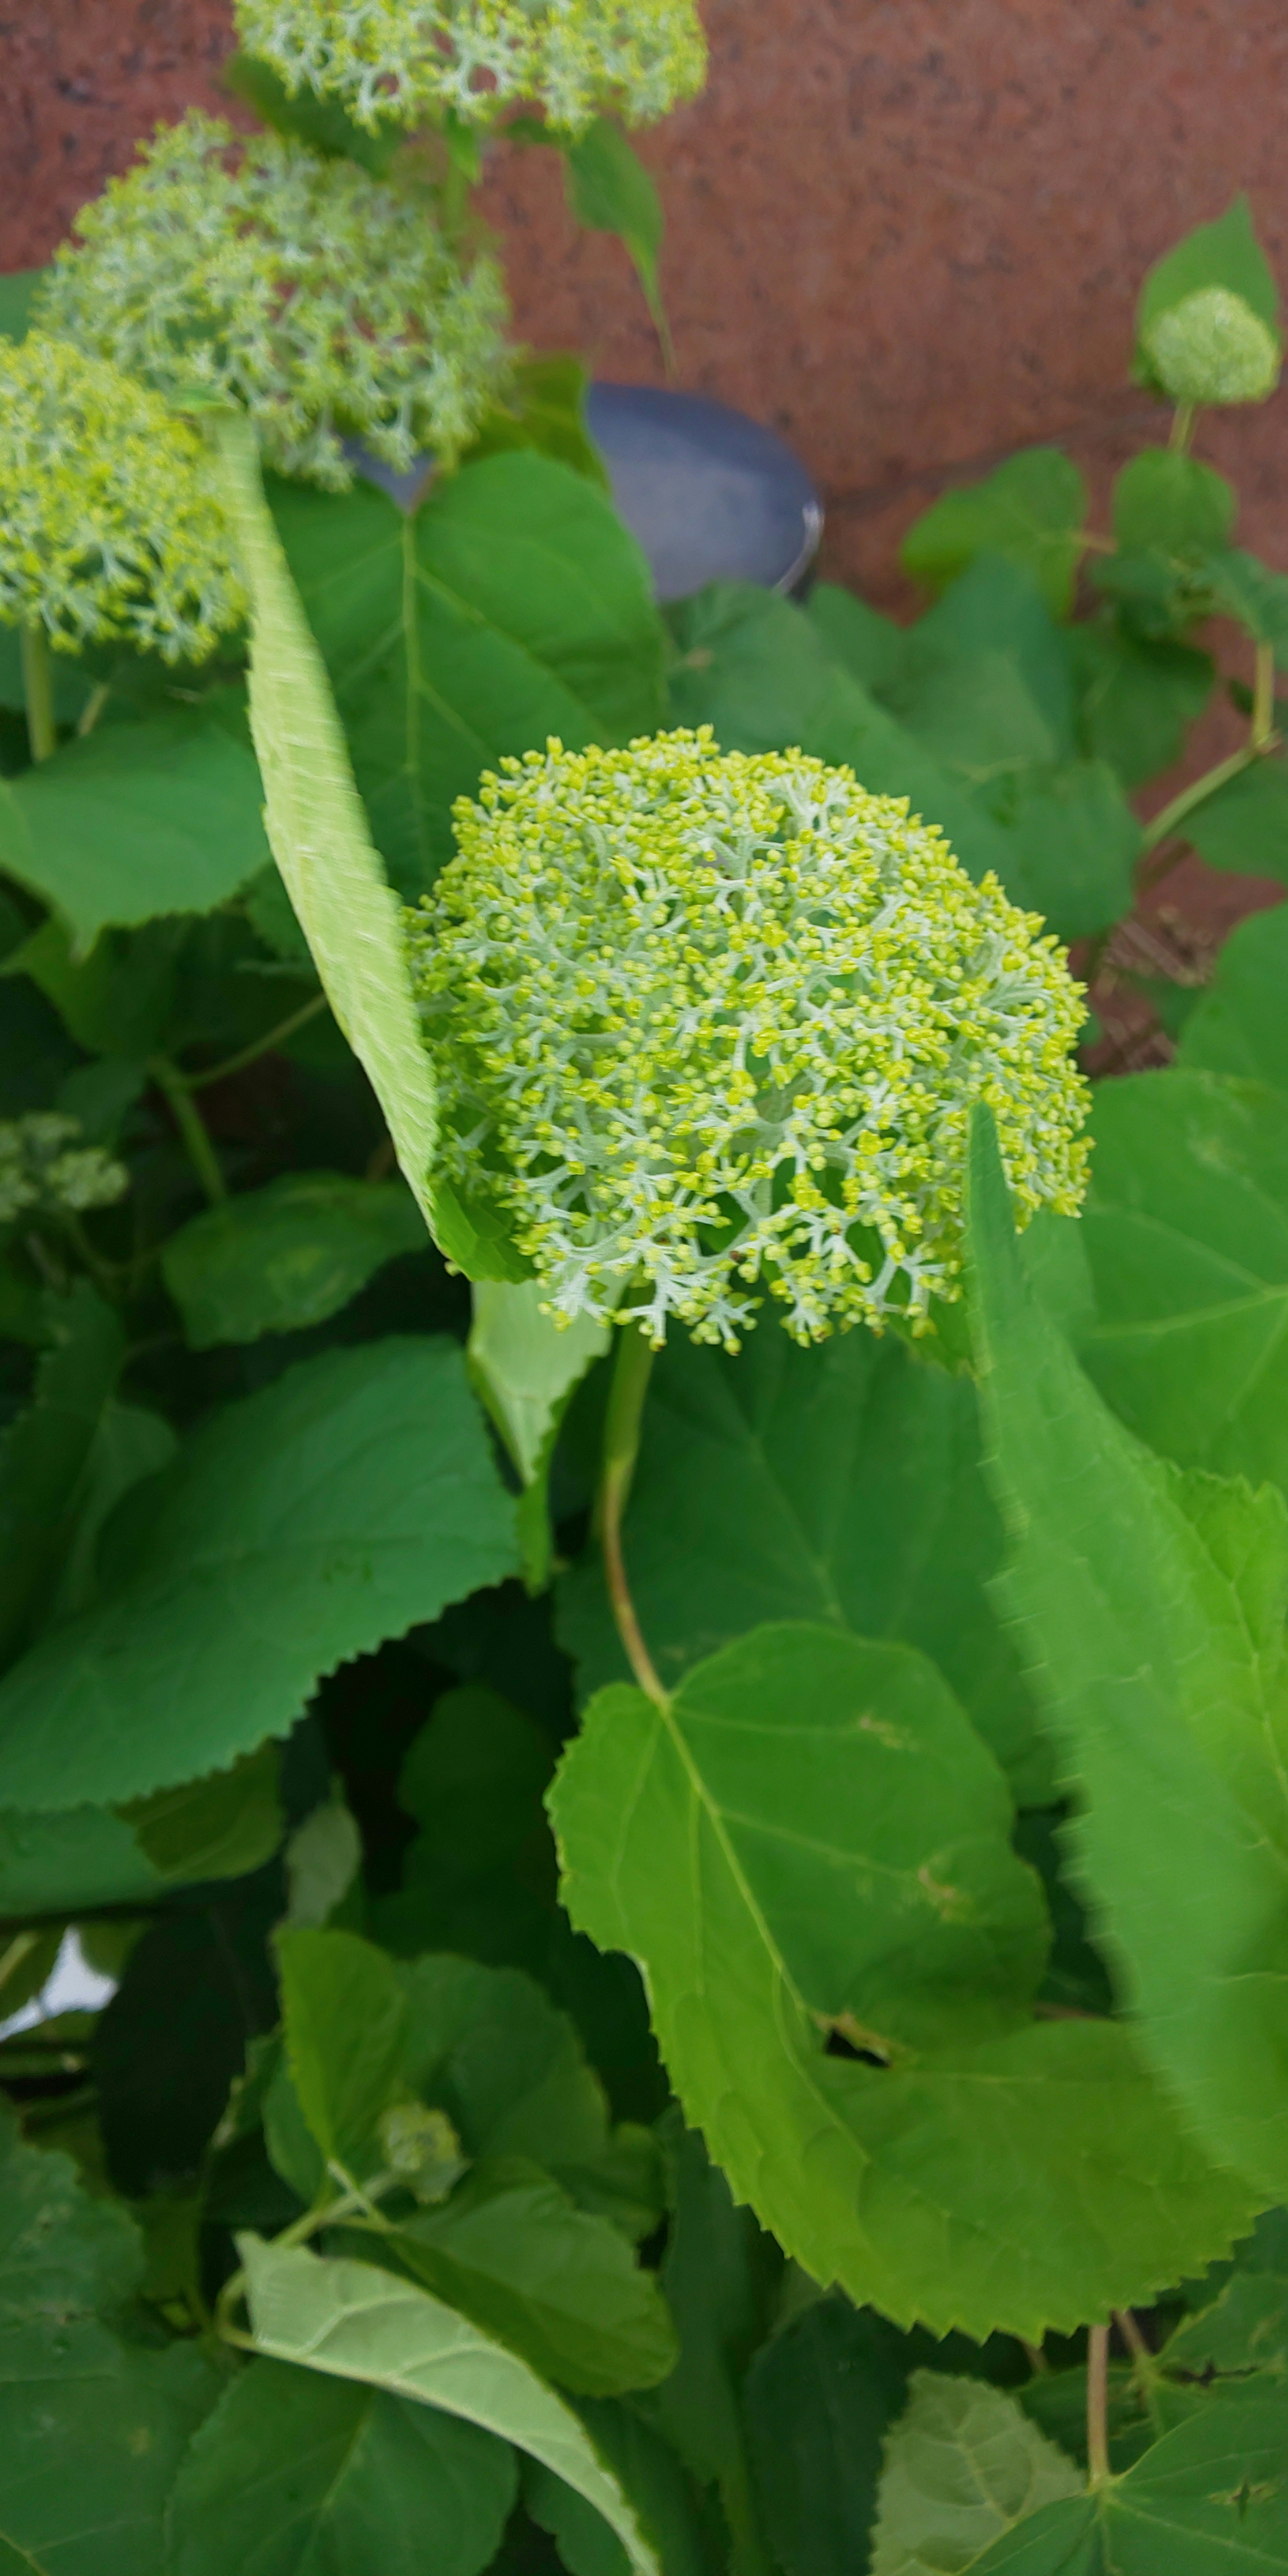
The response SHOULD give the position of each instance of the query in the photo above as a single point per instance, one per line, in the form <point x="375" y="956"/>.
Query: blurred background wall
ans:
<point x="907" y="233"/>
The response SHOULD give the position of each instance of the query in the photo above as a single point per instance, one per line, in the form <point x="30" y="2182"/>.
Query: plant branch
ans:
<point x="632" y="1368"/>
<point x="1172" y="816"/>
<point x="1098" y="2405"/>
<point x="1182" y="429"/>
<point x="192" y="1128"/>
<point x="1263" y="699"/>
<point x="261" y="1046"/>
<point x="38" y="691"/>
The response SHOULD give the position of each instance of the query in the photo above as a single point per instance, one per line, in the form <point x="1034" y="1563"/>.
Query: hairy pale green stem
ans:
<point x="632" y="1368"/>
<point x="38" y="690"/>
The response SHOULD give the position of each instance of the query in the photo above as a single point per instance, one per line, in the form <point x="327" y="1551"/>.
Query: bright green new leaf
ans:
<point x="1152" y="1610"/>
<point x="1186" y="1236"/>
<point x="511" y="2252"/>
<point x="344" y="2021"/>
<point x="317" y="829"/>
<point x="757" y="670"/>
<point x="138" y="819"/>
<point x="1225" y="253"/>
<point x="294" y="2474"/>
<point x="841" y="1483"/>
<point x="279" y="1259"/>
<point x="610" y="191"/>
<point x="356" y="2322"/>
<point x="1031" y="510"/>
<point x="754" y="1844"/>
<point x="350" y="1499"/>
<point x="962" y="2466"/>
<point x="1164" y="499"/>
<point x="1244" y="825"/>
<point x="47" y="1457"/>
<point x="1240" y="1025"/>
<point x="1210" y="2499"/>
<point x="511" y="605"/>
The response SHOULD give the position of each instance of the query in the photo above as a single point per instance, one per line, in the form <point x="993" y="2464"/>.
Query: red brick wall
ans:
<point x="908" y="232"/>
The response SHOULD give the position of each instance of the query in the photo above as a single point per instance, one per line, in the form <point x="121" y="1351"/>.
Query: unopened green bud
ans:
<point x="422" y="2148"/>
<point x="1213" y="348"/>
<point x="707" y="1025"/>
<point x="45" y="1169"/>
<point x="318" y="299"/>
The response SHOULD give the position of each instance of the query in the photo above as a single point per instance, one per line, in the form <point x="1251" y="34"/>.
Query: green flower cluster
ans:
<point x="1212" y="348"/>
<point x="319" y="299"/>
<point x="45" y="1171"/>
<point x="704" y="1021"/>
<point x="417" y="57"/>
<point x="109" y="520"/>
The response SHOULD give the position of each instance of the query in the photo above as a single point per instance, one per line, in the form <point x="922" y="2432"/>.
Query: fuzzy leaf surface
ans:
<point x="736" y="1843"/>
<point x="1152" y="1607"/>
<point x="962" y="2466"/>
<point x="349" y="1499"/>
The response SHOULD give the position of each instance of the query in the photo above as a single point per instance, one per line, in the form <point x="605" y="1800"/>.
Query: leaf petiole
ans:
<point x="38" y="691"/>
<point x="632" y="1369"/>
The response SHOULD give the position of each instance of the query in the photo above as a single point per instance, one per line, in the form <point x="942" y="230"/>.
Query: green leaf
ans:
<point x="197" y="1989"/>
<point x="653" y="2479"/>
<point x="138" y="819"/>
<point x="293" y="2474"/>
<point x="1245" y="2329"/>
<point x="866" y="644"/>
<point x="344" y="2018"/>
<point x="545" y="409"/>
<point x="309" y="118"/>
<point x="129" y="1447"/>
<point x="317" y="829"/>
<point x="842" y="1484"/>
<point x="772" y="1899"/>
<point x="756" y="669"/>
<point x="356" y="2322"/>
<point x="511" y="606"/>
<point x="1031" y="510"/>
<point x="1162" y="498"/>
<point x="1225" y="253"/>
<point x="1244" y="826"/>
<point x="47" y="1458"/>
<point x="1210" y="2499"/>
<point x="482" y="1864"/>
<point x="1152" y="1610"/>
<point x="486" y="2046"/>
<point x="17" y="290"/>
<point x="1240" y="1025"/>
<point x="220" y="1827"/>
<point x="279" y="1259"/>
<point x="1072" y="845"/>
<point x="962" y="2467"/>
<point x="526" y="1369"/>
<point x="60" y="1864"/>
<point x="350" y="1499"/>
<point x="820" y="2396"/>
<point x="1185" y="1231"/>
<point x="1250" y="592"/>
<point x="561" y="2288"/>
<point x="91" y="2429"/>
<point x="610" y="191"/>
<point x="1136" y="699"/>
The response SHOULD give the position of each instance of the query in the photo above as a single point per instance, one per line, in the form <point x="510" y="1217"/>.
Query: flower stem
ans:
<point x="192" y="1127"/>
<point x="631" y="1371"/>
<point x="260" y="1046"/>
<point x="1172" y="816"/>
<point x="38" y="690"/>
<point x="1263" y="699"/>
<point x="1182" y="430"/>
<point x="1098" y="2405"/>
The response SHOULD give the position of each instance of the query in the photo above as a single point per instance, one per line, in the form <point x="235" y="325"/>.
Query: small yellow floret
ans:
<point x="702" y="1018"/>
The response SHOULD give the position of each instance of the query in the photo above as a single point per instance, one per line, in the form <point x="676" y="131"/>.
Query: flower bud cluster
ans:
<point x="109" y="521"/>
<point x="319" y="299"/>
<point x="707" y="1024"/>
<point x="44" y="1171"/>
<point x="1212" y="348"/>
<point x="416" y="57"/>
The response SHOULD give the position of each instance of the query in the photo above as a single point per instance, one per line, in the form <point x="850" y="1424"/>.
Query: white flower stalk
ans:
<point x="706" y="1025"/>
<point x="321" y="301"/>
<point x="414" y="58"/>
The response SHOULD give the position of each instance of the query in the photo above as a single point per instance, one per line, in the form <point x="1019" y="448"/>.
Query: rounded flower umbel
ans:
<point x="413" y="58"/>
<point x="707" y="1024"/>
<point x="109" y="521"/>
<point x="320" y="300"/>
<point x="1212" y="348"/>
<point x="47" y="1169"/>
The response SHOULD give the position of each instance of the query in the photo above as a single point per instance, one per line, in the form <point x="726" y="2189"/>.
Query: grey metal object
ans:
<point x="708" y="492"/>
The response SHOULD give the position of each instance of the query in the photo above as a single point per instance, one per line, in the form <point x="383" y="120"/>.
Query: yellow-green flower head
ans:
<point x="715" y="1023"/>
<point x="109" y="521"/>
<point x="45" y="1168"/>
<point x="415" y="57"/>
<point x="1213" y="348"/>
<point x="321" y="300"/>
